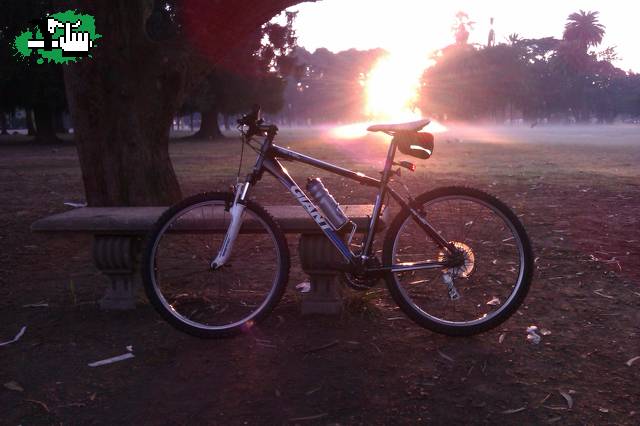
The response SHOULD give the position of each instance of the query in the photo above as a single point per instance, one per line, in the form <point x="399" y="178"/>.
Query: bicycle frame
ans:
<point x="268" y="160"/>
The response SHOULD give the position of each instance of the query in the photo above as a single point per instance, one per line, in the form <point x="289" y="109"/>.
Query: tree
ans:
<point x="259" y="67"/>
<point x="537" y="78"/>
<point x="514" y="39"/>
<point x="124" y="98"/>
<point x="584" y="29"/>
<point x="329" y="87"/>
<point x="462" y="27"/>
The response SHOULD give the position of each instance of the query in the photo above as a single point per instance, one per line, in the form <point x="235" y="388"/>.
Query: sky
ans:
<point x="417" y="27"/>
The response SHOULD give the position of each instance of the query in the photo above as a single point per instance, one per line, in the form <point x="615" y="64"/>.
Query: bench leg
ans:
<point x="317" y="255"/>
<point x="115" y="257"/>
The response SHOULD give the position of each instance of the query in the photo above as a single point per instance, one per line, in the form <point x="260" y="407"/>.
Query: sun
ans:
<point x="391" y="89"/>
<point x="392" y="86"/>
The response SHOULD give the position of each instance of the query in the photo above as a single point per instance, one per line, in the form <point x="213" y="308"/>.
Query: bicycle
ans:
<point x="456" y="260"/>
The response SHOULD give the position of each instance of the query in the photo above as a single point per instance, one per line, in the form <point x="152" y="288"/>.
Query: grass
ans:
<point x="576" y="189"/>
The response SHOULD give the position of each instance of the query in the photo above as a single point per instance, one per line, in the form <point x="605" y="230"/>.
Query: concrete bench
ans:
<point x="119" y="234"/>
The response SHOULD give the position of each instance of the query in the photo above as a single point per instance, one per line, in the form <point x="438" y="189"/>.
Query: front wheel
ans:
<point x="491" y="267"/>
<point x="198" y="299"/>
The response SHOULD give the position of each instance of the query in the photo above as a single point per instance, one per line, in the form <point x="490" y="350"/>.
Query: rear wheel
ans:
<point x="197" y="299"/>
<point x="493" y="262"/>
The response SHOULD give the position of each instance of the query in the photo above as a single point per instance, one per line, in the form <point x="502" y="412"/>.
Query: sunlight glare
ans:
<point x="392" y="86"/>
<point x="391" y="94"/>
<point x="350" y="131"/>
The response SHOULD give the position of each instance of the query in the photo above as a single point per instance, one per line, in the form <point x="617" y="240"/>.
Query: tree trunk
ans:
<point x="3" y="123"/>
<point x="122" y="102"/>
<point x="31" y="130"/>
<point x="45" y="129"/>
<point x="58" y="122"/>
<point x="209" y="126"/>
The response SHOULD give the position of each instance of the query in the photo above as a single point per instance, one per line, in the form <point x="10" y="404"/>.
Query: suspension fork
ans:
<point x="236" y="211"/>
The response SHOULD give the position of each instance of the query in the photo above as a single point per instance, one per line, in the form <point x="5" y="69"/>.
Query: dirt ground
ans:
<point x="579" y="202"/>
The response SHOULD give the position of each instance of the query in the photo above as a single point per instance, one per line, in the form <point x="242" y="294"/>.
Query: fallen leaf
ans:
<point x="494" y="301"/>
<point x="312" y="391"/>
<point x="632" y="360"/>
<point x="599" y="293"/>
<point x="13" y="385"/>
<point x="317" y="416"/>
<point x="568" y="398"/>
<point x="36" y="305"/>
<point x="501" y="338"/>
<point x="40" y="403"/>
<point x="445" y="356"/>
<point x="15" y="339"/>
<point x="320" y="348"/>
<point x="603" y="410"/>
<point x="111" y="360"/>
<point x="515" y="410"/>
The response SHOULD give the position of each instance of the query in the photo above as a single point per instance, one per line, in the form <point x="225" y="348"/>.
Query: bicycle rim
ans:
<point x="488" y="281"/>
<point x="227" y="298"/>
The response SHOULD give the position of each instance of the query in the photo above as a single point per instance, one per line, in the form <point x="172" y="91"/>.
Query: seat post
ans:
<point x="375" y="215"/>
<point x="391" y="153"/>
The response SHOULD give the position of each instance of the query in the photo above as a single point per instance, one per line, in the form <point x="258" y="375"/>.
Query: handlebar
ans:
<point x="255" y="124"/>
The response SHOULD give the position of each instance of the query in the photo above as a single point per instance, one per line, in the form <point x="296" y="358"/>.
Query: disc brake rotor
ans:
<point x="465" y="266"/>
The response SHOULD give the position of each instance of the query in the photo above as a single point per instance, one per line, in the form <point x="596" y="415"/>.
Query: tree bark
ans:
<point x="209" y="126"/>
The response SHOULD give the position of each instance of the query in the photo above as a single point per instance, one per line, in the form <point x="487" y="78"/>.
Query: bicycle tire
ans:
<point x="149" y="267"/>
<point x="453" y="328"/>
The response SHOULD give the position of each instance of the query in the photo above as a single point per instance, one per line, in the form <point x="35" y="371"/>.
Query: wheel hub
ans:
<point x="463" y="259"/>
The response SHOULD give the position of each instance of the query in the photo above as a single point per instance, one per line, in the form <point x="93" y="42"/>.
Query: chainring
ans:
<point x="363" y="281"/>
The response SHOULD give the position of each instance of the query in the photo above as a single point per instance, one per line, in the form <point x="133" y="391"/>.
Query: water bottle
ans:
<point x="326" y="203"/>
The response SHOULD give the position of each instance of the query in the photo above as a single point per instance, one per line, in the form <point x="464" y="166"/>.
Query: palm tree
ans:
<point x="462" y="27"/>
<point x="584" y="29"/>
<point x="514" y="39"/>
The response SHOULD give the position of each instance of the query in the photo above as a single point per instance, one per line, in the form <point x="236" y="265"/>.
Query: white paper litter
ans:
<point x="112" y="360"/>
<point x="532" y="335"/>
<point x="15" y="339"/>
<point x="75" y="205"/>
<point x="304" y="287"/>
